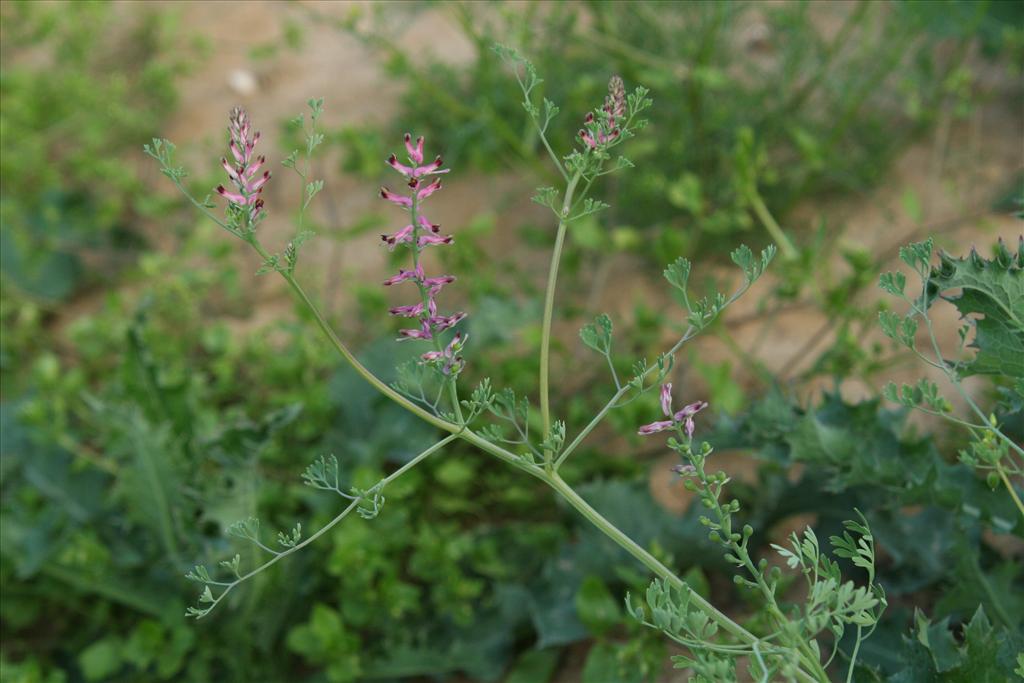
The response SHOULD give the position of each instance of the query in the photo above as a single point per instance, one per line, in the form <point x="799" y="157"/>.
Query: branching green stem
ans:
<point x="921" y="310"/>
<point x="547" y="475"/>
<point x="277" y="556"/>
<point x="690" y="333"/>
<point x="629" y="545"/>
<point x="549" y="306"/>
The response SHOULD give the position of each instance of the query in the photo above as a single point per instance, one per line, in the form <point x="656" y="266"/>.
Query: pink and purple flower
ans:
<point x="244" y="173"/>
<point x="682" y="417"/>
<point x="417" y="234"/>
<point x="601" y="132"/>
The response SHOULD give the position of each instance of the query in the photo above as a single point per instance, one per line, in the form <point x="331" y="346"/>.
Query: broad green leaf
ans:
<point x="991" y="299"/>
<point x="101" y="659"/>
<point x="597" y="608"/>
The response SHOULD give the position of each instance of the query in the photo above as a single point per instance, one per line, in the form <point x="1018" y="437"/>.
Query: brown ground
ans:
<point x="951" y="173"/>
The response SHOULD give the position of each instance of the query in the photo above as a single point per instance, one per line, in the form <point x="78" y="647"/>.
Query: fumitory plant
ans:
<point x="782" y="641"/>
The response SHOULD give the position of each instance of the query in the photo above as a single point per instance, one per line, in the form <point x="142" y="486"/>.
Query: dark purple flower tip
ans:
<point x="415" y="153"/>
<point x="427" y="225"/>
<point x="426" y="240"/>
<point x="400" y="200"/>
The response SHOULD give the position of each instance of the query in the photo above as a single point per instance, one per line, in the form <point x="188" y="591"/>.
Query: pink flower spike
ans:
<point x="655" y="427"/>
<point x="398" y="199"/>
<point x="617" y="97"/>
<point x="666" y="398"/>
<point x="415" y="153"/>
<point x="429" y="189"/>
<point x="244" y="175"/>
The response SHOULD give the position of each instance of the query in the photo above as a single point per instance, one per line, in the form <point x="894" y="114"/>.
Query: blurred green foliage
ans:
<point x="70" y="115"/>
<point x="132" y="435"/>
<point x="790" y="102"/>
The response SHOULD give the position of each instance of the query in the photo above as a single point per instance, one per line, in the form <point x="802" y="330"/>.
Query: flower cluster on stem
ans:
<point x="244" y="173"/>
<point x="600" y="132"/>
<point x="418" y="234"/>
<point x="681" y="418"/>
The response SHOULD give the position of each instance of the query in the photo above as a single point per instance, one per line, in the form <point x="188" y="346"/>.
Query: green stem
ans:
<point x="955" y="381"/>
<point x="796" y="640"/>
<point x="629" y="545"/>
<point x="690" y="333"/>
<point x="789" y="252"/>
<point x="375" y="381"/>
<point x="1009" y="487"/>
<point x="460" y="431"/>
<point x="994" y="598"/>
<point x="650" y="561"/>
<point x="550" y="478"/>
<point x="549" y="306"/>
<point x="853" y="657"/>
<point x="330" y="525"/>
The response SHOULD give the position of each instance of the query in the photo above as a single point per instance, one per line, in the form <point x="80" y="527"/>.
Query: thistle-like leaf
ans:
<point x="989" y="294"/>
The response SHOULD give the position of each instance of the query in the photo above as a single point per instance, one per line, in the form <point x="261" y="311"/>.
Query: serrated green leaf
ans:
<point x="991" y="299"/>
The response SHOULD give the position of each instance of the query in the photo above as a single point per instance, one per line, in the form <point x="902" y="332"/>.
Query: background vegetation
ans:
<point x="154" y="391"/>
